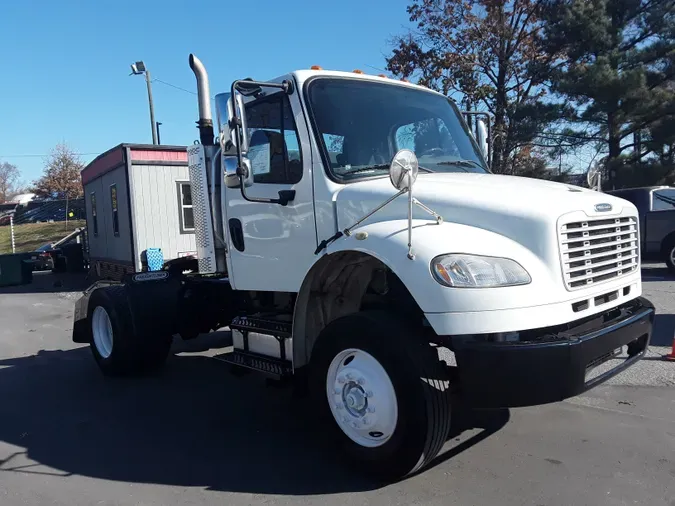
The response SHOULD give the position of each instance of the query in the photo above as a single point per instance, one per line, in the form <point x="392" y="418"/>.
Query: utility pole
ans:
<point x="140" y="68"/>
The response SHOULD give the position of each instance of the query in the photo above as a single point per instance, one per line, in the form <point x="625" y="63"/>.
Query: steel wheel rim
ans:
<point x="362" y="398"/>
<point x="101" y="328"/>
<point x="672" y="255"/>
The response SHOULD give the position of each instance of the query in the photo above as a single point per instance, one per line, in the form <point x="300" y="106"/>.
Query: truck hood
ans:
<point x="525" y="210"/>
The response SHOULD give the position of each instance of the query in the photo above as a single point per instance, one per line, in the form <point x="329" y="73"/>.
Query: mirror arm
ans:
<point x="285" y="196"/>
<point x="348" y="231"/>
<point x="249" y="87"/>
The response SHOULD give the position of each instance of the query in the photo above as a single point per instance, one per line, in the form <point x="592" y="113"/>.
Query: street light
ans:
<point x="137" y="69"/>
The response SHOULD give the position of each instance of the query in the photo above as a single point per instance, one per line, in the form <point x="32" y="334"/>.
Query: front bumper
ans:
<point x="554" y="364"/>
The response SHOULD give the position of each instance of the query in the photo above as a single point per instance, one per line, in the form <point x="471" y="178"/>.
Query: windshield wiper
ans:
<point x="380" y="167"/>
<point x="463" y="163"/>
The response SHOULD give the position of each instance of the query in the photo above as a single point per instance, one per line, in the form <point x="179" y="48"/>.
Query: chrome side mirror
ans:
<point x="482" y="137"/>
<point x="231" y="177"/>
<point x="243" y="130"/>
<point x="403" y="169"/>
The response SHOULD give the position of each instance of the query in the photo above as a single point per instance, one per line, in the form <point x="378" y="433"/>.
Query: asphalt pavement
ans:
<point x="197" y="436"/>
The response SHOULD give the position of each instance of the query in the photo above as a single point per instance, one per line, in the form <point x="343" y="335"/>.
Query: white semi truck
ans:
<point x="348" y="227"/>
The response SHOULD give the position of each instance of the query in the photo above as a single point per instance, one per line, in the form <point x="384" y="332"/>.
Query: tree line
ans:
<point x="557" y="77"/>
<point x="60" y="177"/>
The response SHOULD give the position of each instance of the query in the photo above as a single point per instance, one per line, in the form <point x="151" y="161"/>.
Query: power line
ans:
<point x="174" y="86"/>
<point x="37" y="155"/>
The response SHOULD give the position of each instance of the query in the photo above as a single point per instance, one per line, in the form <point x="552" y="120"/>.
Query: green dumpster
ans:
<point x="13" y="269"/>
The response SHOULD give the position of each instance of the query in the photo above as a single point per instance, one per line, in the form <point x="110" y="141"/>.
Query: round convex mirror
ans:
<point x="403" y="169"/>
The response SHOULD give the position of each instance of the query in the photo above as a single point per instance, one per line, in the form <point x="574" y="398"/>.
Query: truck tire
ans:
<point x="668" y="252"/>
<point x="117" y="350"/>
<point x="382" y="392"/>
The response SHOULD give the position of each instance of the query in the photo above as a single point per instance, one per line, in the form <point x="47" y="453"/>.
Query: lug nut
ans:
<point x="355" y="425"/>
<point x="365" y="419"/>
<point x="350" y="376"/>
<point x="361" y="381"/>
<point x="371" y="410"/>
<point x="369" y="393"/>
<point x="337" y="391"/>
<point x="341" y="379"/>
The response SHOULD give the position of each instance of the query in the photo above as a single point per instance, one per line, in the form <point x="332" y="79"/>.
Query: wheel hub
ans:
<point x="362" y="398"/>
<point x="355" y="399"/>
<point x="102" y="331"/>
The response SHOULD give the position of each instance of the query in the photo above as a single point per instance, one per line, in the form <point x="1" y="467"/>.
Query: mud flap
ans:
<point x="153" y="302"/>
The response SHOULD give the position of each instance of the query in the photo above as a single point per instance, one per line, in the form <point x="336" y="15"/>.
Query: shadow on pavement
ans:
<point x="48" y="282"/>
<point x="194" y="425"/>
<point x="656" y="272"/>
<point x="664" y="328"/>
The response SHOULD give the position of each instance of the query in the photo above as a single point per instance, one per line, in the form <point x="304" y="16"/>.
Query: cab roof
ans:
<point x="303" y="75"/>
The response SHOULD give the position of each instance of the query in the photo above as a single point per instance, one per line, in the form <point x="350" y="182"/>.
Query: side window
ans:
<point x="115" y="217"/>
<point x="426" y="137"/>
<point x="186" y="217"/>
<point x="94" y="218"/>
<point x="663" y="200"/>
<point x="274" y="144"/>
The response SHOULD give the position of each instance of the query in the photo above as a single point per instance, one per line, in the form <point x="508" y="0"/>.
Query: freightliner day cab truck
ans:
<point x="348" y="227"/>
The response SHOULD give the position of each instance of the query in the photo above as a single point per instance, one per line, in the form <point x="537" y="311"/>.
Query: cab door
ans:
<point x="271" y="246"/>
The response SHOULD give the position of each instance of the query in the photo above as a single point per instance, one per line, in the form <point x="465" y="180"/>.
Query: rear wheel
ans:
<point x="383" y="393"/>
<point x="116" y="349"/>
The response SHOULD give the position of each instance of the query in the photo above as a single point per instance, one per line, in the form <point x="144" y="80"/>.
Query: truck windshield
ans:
<point x="362" y="124"/>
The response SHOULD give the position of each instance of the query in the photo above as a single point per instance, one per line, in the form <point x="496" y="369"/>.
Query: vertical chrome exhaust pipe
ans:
<point x="205" y="122"/>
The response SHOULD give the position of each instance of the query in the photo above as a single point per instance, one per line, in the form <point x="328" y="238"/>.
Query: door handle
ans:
<point x="236" y="233"/>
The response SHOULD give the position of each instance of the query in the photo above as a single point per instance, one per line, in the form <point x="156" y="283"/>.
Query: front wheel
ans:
<point x="383" y="393"/>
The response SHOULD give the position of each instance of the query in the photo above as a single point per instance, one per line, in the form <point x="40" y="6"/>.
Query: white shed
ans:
<point x="137" y="197"/>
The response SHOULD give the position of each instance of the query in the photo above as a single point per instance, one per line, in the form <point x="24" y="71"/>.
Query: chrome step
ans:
<point x="267" y="365"/>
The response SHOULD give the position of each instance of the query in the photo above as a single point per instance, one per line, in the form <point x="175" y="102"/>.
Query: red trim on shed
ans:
<point x="151" y="155"/>
<point x="114" y="157"/>
<point x="102" y="164"/>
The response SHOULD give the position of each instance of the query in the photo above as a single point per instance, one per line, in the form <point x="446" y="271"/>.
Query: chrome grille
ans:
<point x="598" y="250"/>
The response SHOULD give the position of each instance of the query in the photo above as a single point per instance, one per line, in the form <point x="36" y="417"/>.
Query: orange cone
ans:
<point x="671" y="356"/>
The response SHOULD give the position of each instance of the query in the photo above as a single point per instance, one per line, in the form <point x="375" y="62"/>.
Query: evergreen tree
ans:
<point x="617" y="72"/>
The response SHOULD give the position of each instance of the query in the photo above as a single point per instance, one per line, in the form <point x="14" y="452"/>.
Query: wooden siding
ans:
<point x="156" y="212"/>
<point x="106" y="244"/>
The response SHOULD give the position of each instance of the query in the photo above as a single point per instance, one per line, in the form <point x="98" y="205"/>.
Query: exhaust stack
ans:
<point x="205" y="123"/>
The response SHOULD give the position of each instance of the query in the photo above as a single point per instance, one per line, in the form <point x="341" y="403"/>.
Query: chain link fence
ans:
<point x="38" y="224"/>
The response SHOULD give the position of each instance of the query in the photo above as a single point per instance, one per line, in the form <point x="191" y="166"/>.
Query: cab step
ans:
<point x="272" y="367"/>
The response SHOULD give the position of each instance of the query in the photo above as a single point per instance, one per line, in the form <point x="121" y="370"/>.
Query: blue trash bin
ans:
<point x="155" y="259"/>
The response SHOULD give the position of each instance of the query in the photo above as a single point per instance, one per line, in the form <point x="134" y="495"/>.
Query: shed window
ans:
<point x="94" y="218"/>
<point x="186" y="214"/>
<point x="115" y="217"/>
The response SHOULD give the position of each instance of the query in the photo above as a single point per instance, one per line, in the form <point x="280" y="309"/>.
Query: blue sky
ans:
<point x="66" y="64"/>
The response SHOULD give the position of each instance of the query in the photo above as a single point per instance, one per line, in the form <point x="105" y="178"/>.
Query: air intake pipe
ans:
<point x="205" y="123"/>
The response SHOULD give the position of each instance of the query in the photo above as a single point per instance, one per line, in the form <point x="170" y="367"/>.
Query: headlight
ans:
<point x="472" y="271"/>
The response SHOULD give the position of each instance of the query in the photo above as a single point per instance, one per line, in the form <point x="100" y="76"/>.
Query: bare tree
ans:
<point x="9" y="181"/>
<point x="61" y="178"/>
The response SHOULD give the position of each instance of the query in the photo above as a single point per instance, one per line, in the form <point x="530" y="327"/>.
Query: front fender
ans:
<point x="388" y="242"/>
